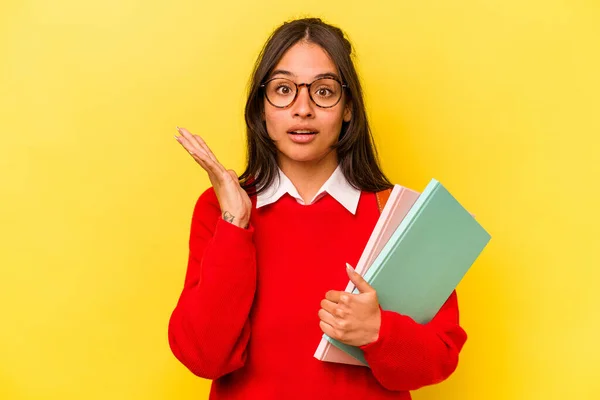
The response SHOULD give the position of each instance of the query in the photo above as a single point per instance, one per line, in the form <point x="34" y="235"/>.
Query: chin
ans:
<point x="300" y="156"/>
<point x="303" y="155"/>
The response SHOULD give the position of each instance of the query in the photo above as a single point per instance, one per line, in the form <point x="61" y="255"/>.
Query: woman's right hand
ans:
<point x="233" y="199"/>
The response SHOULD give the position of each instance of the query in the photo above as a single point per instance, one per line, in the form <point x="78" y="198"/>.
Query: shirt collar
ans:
<point x="337" y="186"/>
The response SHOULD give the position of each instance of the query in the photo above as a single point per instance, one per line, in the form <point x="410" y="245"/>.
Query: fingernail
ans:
<point x="178" y="129"/>
<point x="176" y="138"/>
<point x="349" y="268"/>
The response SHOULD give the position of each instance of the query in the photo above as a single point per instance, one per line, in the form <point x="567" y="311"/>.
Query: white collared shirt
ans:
<point x="336" y="186"/>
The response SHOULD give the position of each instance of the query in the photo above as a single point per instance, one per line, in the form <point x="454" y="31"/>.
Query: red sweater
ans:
<point x="247" y="315"/>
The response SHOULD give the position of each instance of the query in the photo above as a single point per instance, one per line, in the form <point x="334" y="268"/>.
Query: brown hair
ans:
<point x="355" y="148"/>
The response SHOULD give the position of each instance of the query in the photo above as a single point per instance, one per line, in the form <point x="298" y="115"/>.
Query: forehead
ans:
<point x="306" y="60"/>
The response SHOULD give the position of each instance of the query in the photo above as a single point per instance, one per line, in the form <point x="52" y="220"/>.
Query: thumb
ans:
<point x="360" y="283"/>
<point x="233" y="174"/>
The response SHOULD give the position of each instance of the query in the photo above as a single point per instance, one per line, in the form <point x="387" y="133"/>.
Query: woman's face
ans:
<point x="303" y="131"/>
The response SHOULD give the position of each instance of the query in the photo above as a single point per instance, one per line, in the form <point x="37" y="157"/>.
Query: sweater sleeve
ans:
<point x="408" y="355"/>
<point x="209" y="327"/>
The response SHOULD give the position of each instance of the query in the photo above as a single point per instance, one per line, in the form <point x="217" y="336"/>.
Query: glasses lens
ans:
<point x="281" y="92"/>
<point x="326" y="92"/>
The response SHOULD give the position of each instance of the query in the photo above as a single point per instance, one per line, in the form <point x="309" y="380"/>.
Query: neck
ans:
<point x="309" y="176"/>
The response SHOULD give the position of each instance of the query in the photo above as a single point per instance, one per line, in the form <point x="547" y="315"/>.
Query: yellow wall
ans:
<point x="499" y="100"/>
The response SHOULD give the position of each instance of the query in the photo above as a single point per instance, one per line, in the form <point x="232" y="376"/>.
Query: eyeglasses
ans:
<point x="324" y="92"/>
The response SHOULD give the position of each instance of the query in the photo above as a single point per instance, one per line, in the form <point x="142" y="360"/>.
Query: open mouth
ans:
<point x="302" y="136"/>
<point x="302" y="132"/>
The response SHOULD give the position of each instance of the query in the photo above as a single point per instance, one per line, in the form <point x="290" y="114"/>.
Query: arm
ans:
<point x="408" y="355"/>
<point x="209" y="327"/>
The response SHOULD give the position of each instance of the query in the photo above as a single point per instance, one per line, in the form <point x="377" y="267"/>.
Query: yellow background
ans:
<point x="499" y="100"/>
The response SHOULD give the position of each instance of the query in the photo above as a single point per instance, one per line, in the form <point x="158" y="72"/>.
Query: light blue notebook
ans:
<point x="429" y="253"/>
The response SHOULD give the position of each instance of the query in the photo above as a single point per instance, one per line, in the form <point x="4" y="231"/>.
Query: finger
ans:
<point x="199" y="143"/>
<point x="328" y="330"/>
<point x="328" y="306"/>
<point x="360" y="283"/>
<point x="197" y="154"/>
<point x="202" y="159"/>
<point x="189" y="138"/>
<point x="200" y="155"/>
<point x="215" y="167"/>
<point x="333" y="296"/>
<point x="205" y="147"/>
<point x="187" y="146"/>
<point x="199" y="146"/>
<point x="326" y="317"/>
<point x="339" y="311"/>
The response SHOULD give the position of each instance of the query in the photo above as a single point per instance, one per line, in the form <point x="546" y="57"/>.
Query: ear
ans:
<point x="348" y="111"/>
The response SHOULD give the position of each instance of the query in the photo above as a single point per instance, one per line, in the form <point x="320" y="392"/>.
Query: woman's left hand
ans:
<point x="353" y="319"/>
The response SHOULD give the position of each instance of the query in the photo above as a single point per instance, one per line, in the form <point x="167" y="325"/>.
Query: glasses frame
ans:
<point x="299" y="86"/>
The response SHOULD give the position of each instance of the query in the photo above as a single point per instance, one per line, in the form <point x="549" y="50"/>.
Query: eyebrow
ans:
<point x="290" y="74"/>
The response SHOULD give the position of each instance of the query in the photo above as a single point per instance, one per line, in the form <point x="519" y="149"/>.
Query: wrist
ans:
<point x="374" y="338"/>
<point x="376" y="327"/>
<point x="232" y="219"/>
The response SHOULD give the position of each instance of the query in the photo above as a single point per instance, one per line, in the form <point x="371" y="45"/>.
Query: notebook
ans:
<point x="423" y="261"/>
<point x="400" y="201"/>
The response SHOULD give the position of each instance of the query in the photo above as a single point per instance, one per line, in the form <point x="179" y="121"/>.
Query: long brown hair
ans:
<point x="355" y="148"/>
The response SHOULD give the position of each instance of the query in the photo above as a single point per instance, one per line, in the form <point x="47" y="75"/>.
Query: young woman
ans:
<point x="268" y="251"/>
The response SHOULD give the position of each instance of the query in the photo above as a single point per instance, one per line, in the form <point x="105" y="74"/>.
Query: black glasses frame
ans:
<point x="300" y="85"/>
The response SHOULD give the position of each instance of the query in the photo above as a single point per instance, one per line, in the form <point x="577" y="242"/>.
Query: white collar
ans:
<point x="337" y="186"/>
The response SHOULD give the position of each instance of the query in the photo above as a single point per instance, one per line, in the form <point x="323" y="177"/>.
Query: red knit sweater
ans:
<point x="247" y="316"/>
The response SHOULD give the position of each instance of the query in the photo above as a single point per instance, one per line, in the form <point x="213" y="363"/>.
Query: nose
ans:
<point x="303" y="106"/>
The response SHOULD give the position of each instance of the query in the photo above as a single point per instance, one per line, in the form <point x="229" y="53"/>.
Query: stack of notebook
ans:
<point x="420" y="249"/>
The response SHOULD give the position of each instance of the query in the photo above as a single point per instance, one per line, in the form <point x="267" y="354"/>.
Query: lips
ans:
<point x="302" y="136"/>
<point x="302" y="130"/>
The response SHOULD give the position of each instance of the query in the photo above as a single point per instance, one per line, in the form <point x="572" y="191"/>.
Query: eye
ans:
<point x="283" y="89"/>
<point x="323" y="92"/>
